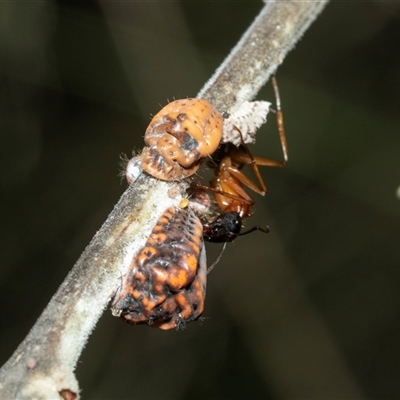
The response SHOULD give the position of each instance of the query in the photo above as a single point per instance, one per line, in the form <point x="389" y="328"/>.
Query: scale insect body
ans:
<point x="180" y="137"/>
<point x="166" y="282"/>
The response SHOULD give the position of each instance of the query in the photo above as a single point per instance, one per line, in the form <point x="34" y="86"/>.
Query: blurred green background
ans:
<point x="309" y="311"/>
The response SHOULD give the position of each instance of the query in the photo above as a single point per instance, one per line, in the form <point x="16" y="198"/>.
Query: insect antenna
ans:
<point x="211" y="267"/>
<point x="255" y="228"/>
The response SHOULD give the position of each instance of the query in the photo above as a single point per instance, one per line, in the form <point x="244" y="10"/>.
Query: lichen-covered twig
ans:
<point x="42" y="366"/>
<point x="259" y="52"/>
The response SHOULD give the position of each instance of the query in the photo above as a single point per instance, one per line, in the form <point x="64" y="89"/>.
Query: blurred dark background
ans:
<point x="311" y="310"/>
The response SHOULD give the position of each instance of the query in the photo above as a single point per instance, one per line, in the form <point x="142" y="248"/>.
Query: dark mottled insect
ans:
<point x="180" y="137"/>
<point x="166" y="282"/>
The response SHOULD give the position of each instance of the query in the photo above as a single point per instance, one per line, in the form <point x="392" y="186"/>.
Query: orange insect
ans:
<point x="166" y="282"/>
<point x="179" y="137"/>
<point x="229" y="181"/>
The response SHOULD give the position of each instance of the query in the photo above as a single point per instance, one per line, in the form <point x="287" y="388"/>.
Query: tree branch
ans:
<point x="43" y="364"/>
<point x="259" y="52"/>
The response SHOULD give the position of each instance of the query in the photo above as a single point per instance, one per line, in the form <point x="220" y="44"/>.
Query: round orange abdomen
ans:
<point x="179" y="137"/>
